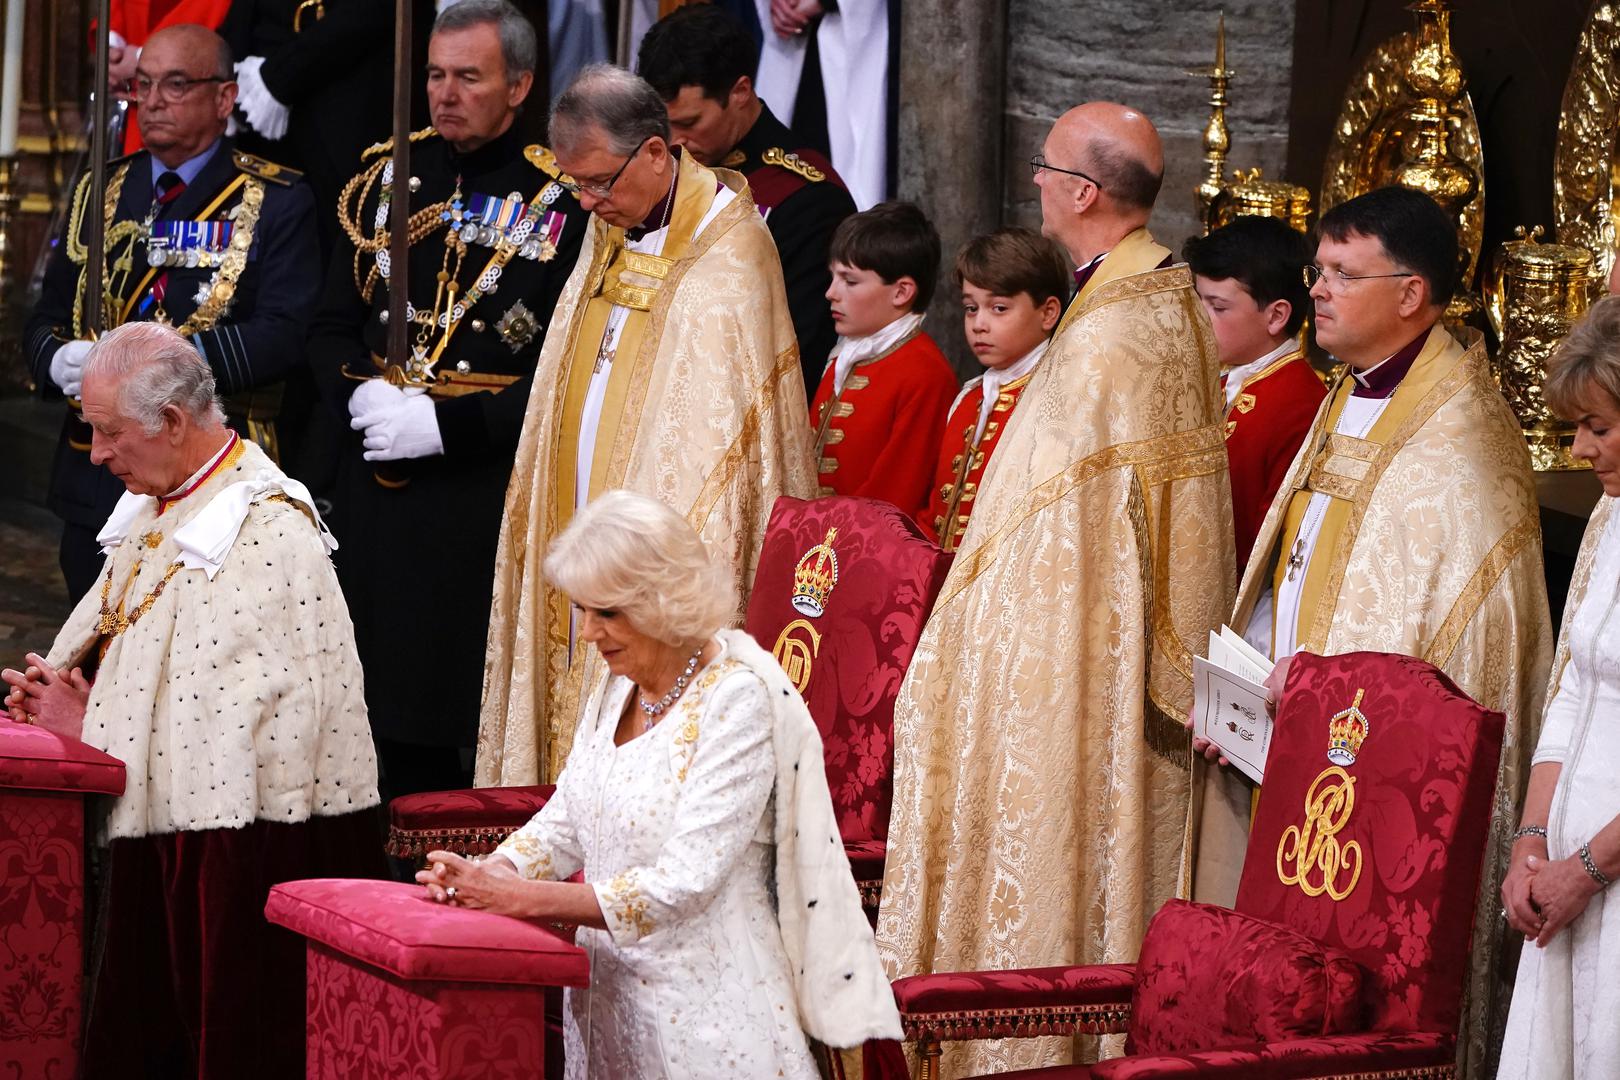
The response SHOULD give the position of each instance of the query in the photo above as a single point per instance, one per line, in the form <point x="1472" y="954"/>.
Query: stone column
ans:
<point x="952" y="94"/>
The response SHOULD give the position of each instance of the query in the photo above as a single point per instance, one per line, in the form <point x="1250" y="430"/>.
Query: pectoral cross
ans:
<point x="1296" y="558"/>
<point x="604" y="353"/>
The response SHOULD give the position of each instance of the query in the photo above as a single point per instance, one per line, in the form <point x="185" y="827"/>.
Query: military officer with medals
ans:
<point x="702" y="63"/>
<point x="494" y="235"/>
<point x="218" y="244"/>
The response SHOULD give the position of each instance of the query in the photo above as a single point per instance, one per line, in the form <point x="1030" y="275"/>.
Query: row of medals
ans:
<point x="161" y="255"/>
<point x="533" y="247"/>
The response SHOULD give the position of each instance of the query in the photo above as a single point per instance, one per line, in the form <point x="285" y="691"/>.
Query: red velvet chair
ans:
<point x="1348" y="947"/>
<point x="842" y="591"/>
<point x="44" y="780"/>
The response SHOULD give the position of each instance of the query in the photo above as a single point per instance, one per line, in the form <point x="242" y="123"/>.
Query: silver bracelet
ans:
<point x="1591" y="865"/>
<point x="1531" y="830"/>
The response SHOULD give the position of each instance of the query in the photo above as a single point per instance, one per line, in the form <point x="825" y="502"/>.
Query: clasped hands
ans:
<point x="488" y="884"/>
<point x="1541" y="896"/>
<point x="1274" y="688"/>
<point x="398" y="422"/>
<point x="44" y="696"/>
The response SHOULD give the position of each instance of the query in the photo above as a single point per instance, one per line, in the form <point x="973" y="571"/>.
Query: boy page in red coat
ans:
<point x="882" y="401"/>
<point x="1014" y="283"/>
<point x="1250" y="276"/>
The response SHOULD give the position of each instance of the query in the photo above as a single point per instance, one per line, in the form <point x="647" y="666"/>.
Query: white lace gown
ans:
<point x="674" y="832"/>
<point x="1565" y="1018"/>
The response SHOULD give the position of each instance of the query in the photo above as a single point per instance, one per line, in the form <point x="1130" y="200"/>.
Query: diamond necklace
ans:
<point x="657" y="708"/>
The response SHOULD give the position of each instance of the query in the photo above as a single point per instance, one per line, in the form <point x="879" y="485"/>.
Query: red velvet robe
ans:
<point x="877" y="437"/>
<point x="1264" y="428"/>
<point x="961" y="462"/>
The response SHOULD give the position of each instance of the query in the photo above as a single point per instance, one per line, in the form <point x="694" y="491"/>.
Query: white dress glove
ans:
<point x="264" y="113"/>
<point x="67" y="366"/>
<point x="408" y="429"/>
<point x="375" y="395"/>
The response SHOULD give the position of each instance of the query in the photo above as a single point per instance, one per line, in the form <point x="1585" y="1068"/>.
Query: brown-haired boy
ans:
<point x="1014" y="284"/>
<point x="882" y="401"/>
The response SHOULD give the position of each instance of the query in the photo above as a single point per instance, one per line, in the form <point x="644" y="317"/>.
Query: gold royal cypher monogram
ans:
<point x="814" y="577"/>
<point x="1311" y="855"/>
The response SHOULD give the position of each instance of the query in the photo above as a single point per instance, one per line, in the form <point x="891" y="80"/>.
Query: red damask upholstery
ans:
<point x="43" y="780"/>
<point x="1368" y="842"/>
<point x="1209" y="976"/>
<point x="399" y="986"/>
<point x="469" y="821"/>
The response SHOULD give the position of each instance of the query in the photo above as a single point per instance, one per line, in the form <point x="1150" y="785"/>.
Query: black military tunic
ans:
<point x="247" y="320"/>
<point x="803" y="201"/>
<point x="418" y="536"/>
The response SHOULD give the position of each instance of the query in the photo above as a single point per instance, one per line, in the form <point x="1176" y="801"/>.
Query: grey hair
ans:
<point x="623" y="107"/>
<point x="155" y="367"/>
<point x="633" y="554"/>
<point x="518" y="46"/>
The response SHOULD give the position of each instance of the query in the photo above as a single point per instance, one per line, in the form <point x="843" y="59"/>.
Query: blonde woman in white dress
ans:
<point x="719" y="937"/>
<point x="1565" y="1018"/>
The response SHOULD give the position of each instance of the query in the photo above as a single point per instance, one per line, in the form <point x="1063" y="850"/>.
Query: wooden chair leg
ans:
<point x="928" y="1055"/>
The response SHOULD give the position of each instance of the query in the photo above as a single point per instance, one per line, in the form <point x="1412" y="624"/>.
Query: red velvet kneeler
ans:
<point x="192" y="981"/>
<point x="400" y="986"/>
<point x="44" y="779"/>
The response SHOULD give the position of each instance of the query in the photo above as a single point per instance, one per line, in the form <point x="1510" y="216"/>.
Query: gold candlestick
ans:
<point x="1217" y="139"/>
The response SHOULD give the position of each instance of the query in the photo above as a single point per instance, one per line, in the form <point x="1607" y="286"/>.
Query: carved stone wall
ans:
<point x="1135" y="52"/>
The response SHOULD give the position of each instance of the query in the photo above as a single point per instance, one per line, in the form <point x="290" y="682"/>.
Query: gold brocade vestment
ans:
<point x="704" y="410"/>
<point x="1040" y="763"/>
<point x="1431" y="547"/>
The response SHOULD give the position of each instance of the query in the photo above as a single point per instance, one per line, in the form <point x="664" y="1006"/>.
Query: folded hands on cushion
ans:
<point x="1274" y="687"/>
<point x="493" y="884"/>
<point x="42" y="695"/>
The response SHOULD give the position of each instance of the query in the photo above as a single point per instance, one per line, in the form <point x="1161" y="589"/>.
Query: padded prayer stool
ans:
<point x="401" y="986"/>
<point x="1348" y="948"/>
<point x="843" y="588"/>
<point x="44" y="779"/>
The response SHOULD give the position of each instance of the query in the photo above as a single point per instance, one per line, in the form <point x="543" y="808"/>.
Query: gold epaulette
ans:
<point x="793" y="163"/>
<point x="387" y="145"/>
<point x="258" y="167"/>
<point x="543" y="159"/>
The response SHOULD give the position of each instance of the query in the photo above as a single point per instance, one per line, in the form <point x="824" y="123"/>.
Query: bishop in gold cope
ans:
<point x="1408" y="523"/>
<point x="669" y="369"/>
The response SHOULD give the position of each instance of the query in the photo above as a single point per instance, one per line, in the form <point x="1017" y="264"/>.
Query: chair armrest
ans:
<point x="1018" y="1003"/>
<point x="1410" y="1055"/>
<point x="471" y="821"/>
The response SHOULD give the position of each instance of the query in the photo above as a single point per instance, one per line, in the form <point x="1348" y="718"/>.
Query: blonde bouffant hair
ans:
<point x="628" y="553"/>
<point x="1587" y="360"/>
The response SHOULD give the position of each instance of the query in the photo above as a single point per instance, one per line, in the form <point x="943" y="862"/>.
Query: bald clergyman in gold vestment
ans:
<point x="1408" y="524"/>
<point x="669" y="368"/>
<point x="1041" y="770"/>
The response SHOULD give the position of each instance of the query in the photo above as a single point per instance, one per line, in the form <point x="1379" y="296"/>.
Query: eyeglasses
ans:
<point x="171" y="87"/>
<point x="1313" y="273"/>
<point x="1039" y="162"/>
<point x="604" y="189"/>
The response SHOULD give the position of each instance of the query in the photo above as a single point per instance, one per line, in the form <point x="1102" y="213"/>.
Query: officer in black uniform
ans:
<point x="417" y="509"/>
<point x="217" y="243"/>
<point x="702" y="63"/>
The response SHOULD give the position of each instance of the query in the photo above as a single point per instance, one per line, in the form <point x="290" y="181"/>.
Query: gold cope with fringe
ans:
<point x="1430" y="547"/>
<point x="704" y="411"/>
<point x="1040" y="762"/>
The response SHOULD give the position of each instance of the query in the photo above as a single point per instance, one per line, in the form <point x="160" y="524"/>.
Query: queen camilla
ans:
<point x="717" y="907"/>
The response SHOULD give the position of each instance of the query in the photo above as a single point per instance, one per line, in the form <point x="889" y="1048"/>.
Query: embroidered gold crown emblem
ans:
<point x="815" y="576"/>
<point x="1346" y="732"/>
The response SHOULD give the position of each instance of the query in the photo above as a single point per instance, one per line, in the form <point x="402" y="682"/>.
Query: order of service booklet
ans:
<point x="1229" y="701"/>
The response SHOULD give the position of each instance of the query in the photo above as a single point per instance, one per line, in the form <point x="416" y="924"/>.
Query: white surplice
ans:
<point x="1565" y="1019"/>
<point x="675" y="832"/>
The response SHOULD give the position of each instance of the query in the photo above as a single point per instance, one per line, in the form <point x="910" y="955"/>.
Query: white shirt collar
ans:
<point x="230" y="441"/>
<point x="1236" y="376"/>
<point x="994" y="379"/>
<point x="850" y="351"/>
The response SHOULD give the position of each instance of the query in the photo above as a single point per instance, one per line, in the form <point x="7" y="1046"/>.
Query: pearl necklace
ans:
<point x="657" y="708"/>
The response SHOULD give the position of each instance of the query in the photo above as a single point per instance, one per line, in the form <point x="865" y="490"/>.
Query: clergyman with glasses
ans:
<point x="669" y="369"/>
<point x="431" y="434"/>
<point x="1407" y="524"/>
<point x="1106" y="526"/>
<point x="218" y="244"/>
